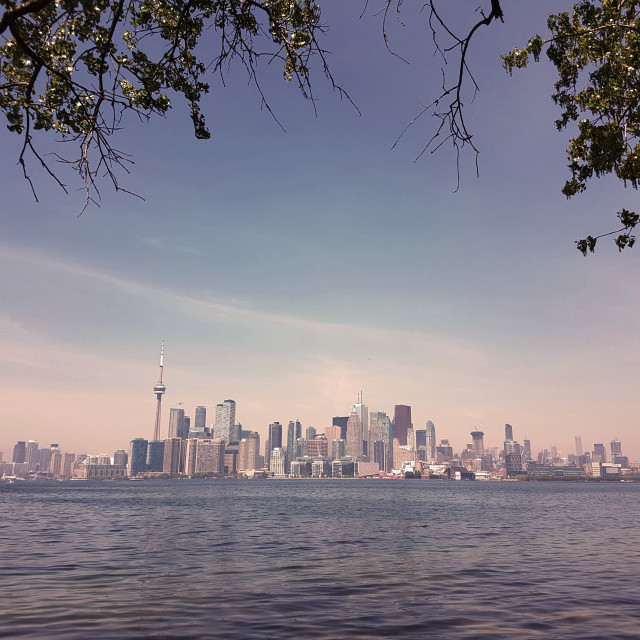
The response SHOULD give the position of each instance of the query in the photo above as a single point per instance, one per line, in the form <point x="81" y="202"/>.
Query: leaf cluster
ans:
<point x="596" y="52"/>
<point x="77" y="67"/>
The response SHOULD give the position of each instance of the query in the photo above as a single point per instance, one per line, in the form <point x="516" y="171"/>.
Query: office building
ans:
<point x="210" y="456"/>
<point x="200" y="421"/>
<point x="354" y="436"/>
<point x="277" y="461"/>
<point x="430" y="441"/>
<point x="477" y="444"/>
<point x="341" y="421"/>
<point x="138" y="456"/>
<point x="508" y="432"/>
<point x="173" y="461"/>
<point x="19" y="452"/>
<point x="578" y="446"/>
<point x="599" y="453"/>
<point x="155" y="455"/>
<point x="32" y="456"/>
<point x="402" y="423"/>
<point x="120" y="458"/>
<point x="616" y="449"/>
<point x="225" y="420"/>
<point x="177" y="424"/>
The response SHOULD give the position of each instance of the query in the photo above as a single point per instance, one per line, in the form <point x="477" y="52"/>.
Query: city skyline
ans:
<point x="289" y="271"/>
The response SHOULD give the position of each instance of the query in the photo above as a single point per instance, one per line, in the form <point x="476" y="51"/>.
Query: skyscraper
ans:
<point x="402" y="423"/>
<point x="274" y="441"/>
<point x="578" y="446"/>
<point x="173" y="461"/>
<point x="201" y="417"/>
<point x="159" y="390"/>
<point x="341" y="421"/>
<point x="477" y="447"/>
<point x="224" y="420"/>
<point x="599" y="453"/>
<point x="210" y="456"/>
<point x="155" y="455"/>
<point x="32" y="455"/>
<point x="508" y="432"/>
<point x="354" y="436"/>
<point x="616" y="450"/>
<point x="363" y="413"/>
<point x="137" y="456"/>
<point x="176" y="423"/>
<point x="431" y="441"/>
<point x="19" y="452"/>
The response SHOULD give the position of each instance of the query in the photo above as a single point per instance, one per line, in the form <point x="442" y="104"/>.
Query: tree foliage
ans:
<point x="596" y="52"/>
<point x="74" y="68"/>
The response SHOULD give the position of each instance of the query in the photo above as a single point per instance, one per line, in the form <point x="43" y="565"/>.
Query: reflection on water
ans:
<point x="319" y="559"/>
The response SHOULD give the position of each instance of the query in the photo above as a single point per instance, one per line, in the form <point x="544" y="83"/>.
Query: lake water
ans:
<point x="319" y="559"/>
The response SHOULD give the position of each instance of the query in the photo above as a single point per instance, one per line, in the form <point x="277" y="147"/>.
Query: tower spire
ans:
<point x="159" y="390"/>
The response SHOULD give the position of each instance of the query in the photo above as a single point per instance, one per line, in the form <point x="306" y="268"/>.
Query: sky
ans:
<point x="290" y="270"/>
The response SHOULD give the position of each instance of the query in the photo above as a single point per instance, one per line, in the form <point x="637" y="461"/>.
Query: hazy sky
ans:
<point x="290" y="270"/>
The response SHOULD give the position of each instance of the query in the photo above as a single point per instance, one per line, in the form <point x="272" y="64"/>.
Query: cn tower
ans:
<point x="159" y="389"/>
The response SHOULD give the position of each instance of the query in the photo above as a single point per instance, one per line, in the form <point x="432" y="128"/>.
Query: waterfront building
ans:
<point x="55" y="468"/>
<point x="230" y="461"/>
<point x="19" y="452"/>
<point x="173" y="461"/>
<point x="366" y="469"/>
<point x="44" y="459"/>
<point x="32" y="456"/>
<point x="343" y="468"/>
<point x="402" y="423"/>
<point x="321" y="467"/>
<point x="210" y="456"/>
<point x="513" y="463"/>
<point x="190" y="456"/>
<point x="121" y="458"/>
<point x="155" y="455"/>
<point x="94" y="471"/>
<point x="68" y="461"/>
<point x="301" y="468"/>
<point x="277" y="463"/>
<point x="137" y="456"/>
